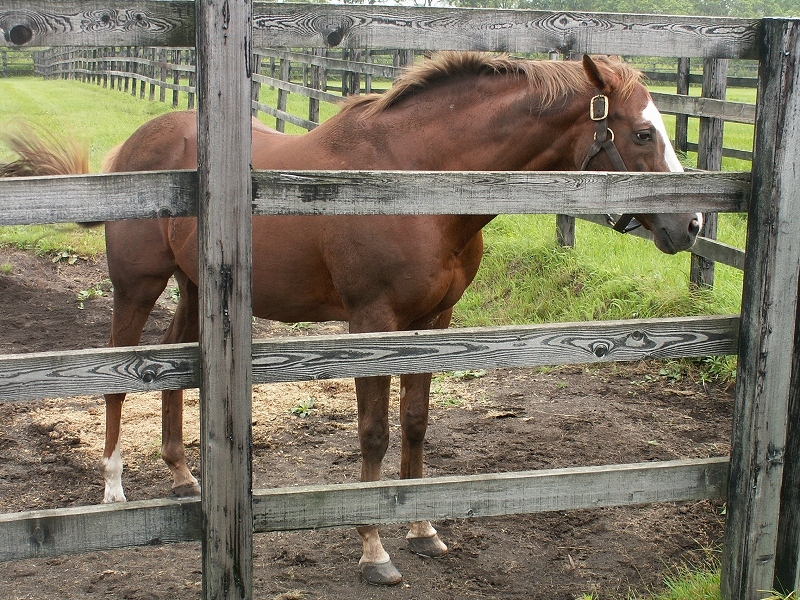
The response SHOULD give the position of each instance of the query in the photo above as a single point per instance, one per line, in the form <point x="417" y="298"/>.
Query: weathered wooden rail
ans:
<point x="762" y="530"/>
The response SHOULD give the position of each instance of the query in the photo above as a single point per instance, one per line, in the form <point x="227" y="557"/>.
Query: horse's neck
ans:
<point x="487" y="127"/>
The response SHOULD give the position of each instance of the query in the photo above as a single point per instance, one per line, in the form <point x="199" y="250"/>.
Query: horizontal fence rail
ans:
<point x="141" y="195"/>
<point x="151" y="522"/>
<point x="149" y="23"/>
<point x="148" y="368"/>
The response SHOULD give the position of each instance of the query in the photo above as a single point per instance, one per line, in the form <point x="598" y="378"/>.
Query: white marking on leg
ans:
<point x="112" y="473"/>
<point x="373" y="551"/>
<point x="421" y="529"/>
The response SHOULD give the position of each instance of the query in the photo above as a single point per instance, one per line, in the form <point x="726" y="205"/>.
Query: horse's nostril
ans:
<point x="694" y="226"/>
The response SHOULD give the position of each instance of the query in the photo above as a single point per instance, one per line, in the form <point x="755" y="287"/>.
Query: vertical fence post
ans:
<point x="151" y="73"/>
<point x="787" y="568"/>
<point x="317" y="83"/>
<point x="682" y="121"/>
<point x="162" y="74"/>
<point x="191" y="60"/>
<point x="286" y="71"/>
<point x="709" y="158"/>
<point x="255" y="89"/>
<point x="174" y="59"/>
<point x="769" y="309"/>
<point x="224" y="54"/>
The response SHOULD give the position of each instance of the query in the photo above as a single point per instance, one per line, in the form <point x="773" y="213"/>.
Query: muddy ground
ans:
<point x="503" y="420"/>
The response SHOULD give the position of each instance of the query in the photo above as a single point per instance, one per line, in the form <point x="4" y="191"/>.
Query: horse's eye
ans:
<point x="644" y="136"/>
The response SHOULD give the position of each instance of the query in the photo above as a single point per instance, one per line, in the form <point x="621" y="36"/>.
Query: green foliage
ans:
<point x="303" y="408"/>
<point x="98" y="290"/>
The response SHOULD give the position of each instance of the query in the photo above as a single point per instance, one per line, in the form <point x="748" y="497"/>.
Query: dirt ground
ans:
<point x="503" y="420"/>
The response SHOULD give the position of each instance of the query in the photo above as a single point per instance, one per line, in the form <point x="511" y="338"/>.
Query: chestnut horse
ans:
<point x="458" y="111"/>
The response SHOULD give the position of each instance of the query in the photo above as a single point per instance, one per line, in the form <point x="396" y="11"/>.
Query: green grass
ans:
<point x="526" y="278"/>
<point x="90" y="114"/>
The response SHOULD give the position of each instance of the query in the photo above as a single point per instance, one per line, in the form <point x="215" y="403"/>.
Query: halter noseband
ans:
<point x="604" y="140"/>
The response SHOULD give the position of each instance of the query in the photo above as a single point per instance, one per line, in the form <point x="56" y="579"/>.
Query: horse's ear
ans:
<point x="594" y="75"/>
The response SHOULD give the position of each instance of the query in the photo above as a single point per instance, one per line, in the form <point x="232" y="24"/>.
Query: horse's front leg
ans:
<point x="111" y="465"/>
<point x="414" y="400"/>
<point x="373" y="435"/>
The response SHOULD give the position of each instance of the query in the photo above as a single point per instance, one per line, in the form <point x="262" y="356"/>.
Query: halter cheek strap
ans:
<point x="604" y="140"/>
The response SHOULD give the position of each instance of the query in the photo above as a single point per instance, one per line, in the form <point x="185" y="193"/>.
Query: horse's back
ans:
<point x="168" y="141"/>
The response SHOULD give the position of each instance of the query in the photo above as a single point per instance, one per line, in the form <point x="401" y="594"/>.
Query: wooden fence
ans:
<point x="762" y="475"/>
<point x="15" y="63"/>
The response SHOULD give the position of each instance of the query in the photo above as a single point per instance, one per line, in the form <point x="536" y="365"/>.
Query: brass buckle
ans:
<point x="598" y="104"/>
<point x="609" y="130"/>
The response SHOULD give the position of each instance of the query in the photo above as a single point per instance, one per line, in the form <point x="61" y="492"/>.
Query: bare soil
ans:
<point x="504" y="420"/>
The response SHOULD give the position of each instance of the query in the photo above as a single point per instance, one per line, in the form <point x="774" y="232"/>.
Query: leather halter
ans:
<point x="604" y="140"/>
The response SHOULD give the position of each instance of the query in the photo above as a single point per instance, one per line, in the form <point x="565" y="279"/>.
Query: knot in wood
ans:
<point x="20" y="35"/>
<point x="334" y="38"/>
<point x="149" y="376"/>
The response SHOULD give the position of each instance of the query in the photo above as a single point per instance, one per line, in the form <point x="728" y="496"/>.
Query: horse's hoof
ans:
<point x="380" y="573"/>
<point x="186" y="490"/>
<point x="431" y="547"/>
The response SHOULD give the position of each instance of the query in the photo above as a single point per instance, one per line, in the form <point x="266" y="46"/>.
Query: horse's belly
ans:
<point x="291" y="280"/>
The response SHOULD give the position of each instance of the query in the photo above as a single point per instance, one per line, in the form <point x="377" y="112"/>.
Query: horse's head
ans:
<point x="628" y="134"/>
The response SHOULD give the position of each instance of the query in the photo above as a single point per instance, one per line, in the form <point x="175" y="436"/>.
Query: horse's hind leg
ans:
<point x="132" y="305"/>
<point x="414" y="401"/>
<point x="414" y="398"/>
<point x="183" y="328"/>
<point x="373" y="434"/>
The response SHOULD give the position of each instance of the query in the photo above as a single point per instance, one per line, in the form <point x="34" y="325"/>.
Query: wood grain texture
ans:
<point x="294" y="25"/>
<point x="147" y="368"/>
<point x="86" y="198"/>
<point x="348" y="192"/>
<point x="91" y="528"/>
<point x="787" y="561"/>
<point x="769" y="309"/>
<point x="163" y="194"/>
<point x="224" y="226"/>
<point x="150" y="23"/>
<point x="106" y="23"/>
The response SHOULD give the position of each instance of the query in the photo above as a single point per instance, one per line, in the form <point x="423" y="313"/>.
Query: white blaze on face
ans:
<point x="650" y="113"/>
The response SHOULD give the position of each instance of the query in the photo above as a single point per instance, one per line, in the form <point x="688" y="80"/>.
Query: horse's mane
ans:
<point x="551" y="79"/>
<point x="41" y="153"/>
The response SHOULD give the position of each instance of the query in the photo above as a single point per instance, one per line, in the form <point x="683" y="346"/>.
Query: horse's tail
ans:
<point x="110" y="159"/>
<point x="40" y="153"/>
